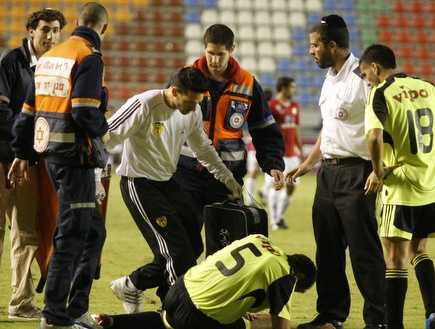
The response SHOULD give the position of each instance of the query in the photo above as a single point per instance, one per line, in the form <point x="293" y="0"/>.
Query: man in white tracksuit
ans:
<point x="153" y="127"/>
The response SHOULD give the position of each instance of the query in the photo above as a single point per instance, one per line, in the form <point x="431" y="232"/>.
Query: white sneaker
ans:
<point x="274" y="227"/>
<point x="87" y="321"/>
<point x="131" y="297"/>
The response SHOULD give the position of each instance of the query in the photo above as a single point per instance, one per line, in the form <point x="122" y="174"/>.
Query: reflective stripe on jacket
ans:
<point x="55" y="130"/>
<point x="224" y="123"/>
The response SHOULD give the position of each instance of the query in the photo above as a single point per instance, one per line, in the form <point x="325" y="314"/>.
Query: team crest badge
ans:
<point x="162" y="221"/>
<point x="237" y="120"/>
<point x="235" y="117"/>
<point x="42" y="134"/>
<point x="158" y="128"/>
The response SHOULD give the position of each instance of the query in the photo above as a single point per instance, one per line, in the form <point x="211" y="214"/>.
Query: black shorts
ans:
<point x="407" y="222"/>
<point x="181" y="313"/>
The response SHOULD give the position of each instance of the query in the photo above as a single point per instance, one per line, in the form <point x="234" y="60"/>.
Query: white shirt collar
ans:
<point x="347" y="66"/>
<point x="33" y="58"/>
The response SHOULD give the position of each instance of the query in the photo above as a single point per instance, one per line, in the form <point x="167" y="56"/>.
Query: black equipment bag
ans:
<point x="228" y="221"/>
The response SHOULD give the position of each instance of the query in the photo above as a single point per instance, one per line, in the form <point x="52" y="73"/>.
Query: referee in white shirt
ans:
<point x="342" y="215"/>
<point x="153" y="126"/>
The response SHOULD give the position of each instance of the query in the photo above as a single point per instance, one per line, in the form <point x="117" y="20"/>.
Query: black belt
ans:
<point x="343" y="161"/>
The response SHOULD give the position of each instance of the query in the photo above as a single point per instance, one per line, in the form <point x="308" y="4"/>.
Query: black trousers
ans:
<point x="203" y="188"/>
<point x="344" y="217"/>
<point x="78" y="242"/>
<point x="181" y="313"/>
<point x="167" y="220"/>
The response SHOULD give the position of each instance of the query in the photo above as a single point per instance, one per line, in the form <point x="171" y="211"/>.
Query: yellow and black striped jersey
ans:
<point x="404" y="108"/>
<point x="249" y="275"/>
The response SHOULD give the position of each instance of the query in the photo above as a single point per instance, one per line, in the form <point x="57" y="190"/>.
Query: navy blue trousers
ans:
<point x="77" y="242"/>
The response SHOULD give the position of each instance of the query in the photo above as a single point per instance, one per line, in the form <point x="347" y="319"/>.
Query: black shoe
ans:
<point x="282" y="224"/>
<point x="430" y="322"/>
<point x="317" y="322"/>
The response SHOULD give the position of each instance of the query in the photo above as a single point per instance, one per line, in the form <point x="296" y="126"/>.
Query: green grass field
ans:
<point x="125" y="250"/>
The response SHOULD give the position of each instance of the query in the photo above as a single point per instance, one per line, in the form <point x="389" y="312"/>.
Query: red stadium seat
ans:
<point x="142" y="77"/>
<point x="160" y="63"/>
<point x="108" y="60"/>
<point x="416" y="6"/>
<point x="125" y="93"/>
<point x="160" y="29"/>
<point x="142" y="46"/>
<point x="108" y="76"/>
<point x="399" y="7"/>
<point x="140" y="30"/>
<point x="423" y="53"/>
<point x="122" y="29"/>
<point x="175" y="17"/>
<point x="401" y="22"/>
<point x="141" y="16"/>
<point x="142" y="62"/>
<point x="160" y="46"/>
<point x="161" y="78"/>
<point x="385" y="36"/>
<point x="403" y="37"/>
<point x="123" y="45"/>
<point x="417" y="22"/>
<point x="409" y="68"/>
<point x="178" y="47"/>
<point x="107" y="45"/>
<point x="405" y="52"/>
<point x="124" y="61"/>
<point x="426" y="70"/>
<point x="383" y="22"/>
<point x="422" y="38"/>
<point x="179" y="62"/>
<point x="125" y="76"/>
<point x="177" y="32"/>
<point x="429" y="7"/>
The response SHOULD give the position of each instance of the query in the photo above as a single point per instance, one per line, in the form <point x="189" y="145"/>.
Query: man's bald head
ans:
<point x="94" y="16"/>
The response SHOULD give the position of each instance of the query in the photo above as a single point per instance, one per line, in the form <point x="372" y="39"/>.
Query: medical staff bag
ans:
<point x="228" y="221"/>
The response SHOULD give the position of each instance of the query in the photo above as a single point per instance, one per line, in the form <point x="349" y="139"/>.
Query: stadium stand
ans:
<point x="149" y="39"/>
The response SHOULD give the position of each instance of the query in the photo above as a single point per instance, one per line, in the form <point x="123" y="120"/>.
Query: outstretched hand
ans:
<point x="235" y="189"/>
<point x="301" y="170"/>
<point x="278" y="179"/>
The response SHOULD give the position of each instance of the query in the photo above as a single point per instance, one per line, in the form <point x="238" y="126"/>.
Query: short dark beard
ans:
<point x="326" y="62"/>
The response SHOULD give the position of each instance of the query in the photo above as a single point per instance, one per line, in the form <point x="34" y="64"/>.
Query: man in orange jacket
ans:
<point x="235" y="98"/>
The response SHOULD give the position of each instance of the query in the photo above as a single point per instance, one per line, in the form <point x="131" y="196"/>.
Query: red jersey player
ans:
<point x="286" y="113"/>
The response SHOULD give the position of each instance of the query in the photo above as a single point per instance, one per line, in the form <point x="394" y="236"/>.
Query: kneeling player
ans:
<point x="249" y="275"/>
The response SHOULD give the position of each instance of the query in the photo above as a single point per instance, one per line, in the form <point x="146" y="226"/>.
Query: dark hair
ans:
<point x="93" y="14"/>
<point x="189" y="79"/>
<point x="304" y="269"/>
<point x="219" y="34"/>
<point x="283" y="82"/>
<point x="379" y="54"/>
<point x="332" y="28"/>
<point x="46" y="14"/>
